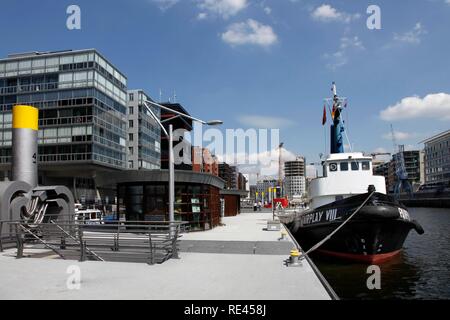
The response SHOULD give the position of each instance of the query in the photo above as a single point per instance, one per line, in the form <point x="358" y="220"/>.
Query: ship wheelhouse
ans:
<point x="344" y="175"/>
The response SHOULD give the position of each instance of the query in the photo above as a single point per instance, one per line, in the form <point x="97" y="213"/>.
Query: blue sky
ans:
<point x="250" y="62"/>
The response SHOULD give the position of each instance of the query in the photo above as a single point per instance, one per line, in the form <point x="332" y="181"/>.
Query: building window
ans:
<point x="130" y="110"/>
<point x="130" y="164"/>
<point x="130" y="151"/>
<point x="131" y="96"/>
<point x="130" y="123"/>
<point x="131" y="137"/>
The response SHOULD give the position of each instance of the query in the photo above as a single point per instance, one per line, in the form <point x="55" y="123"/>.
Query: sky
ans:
<point x="267" y="63"/>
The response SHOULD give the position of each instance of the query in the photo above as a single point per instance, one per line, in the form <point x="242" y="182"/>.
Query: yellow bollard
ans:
<point x="294" y="258"/>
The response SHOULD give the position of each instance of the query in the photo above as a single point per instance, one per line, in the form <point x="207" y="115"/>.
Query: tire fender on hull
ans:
<point x="379" y="212"/>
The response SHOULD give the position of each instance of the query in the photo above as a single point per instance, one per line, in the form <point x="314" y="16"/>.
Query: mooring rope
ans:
<point x="318" y="245"/>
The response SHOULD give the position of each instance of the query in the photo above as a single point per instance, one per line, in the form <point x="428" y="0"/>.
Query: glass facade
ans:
<point x="82" y="106"/>
<point x="197" y="204"/>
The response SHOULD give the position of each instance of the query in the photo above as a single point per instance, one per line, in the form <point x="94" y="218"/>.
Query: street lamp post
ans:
<point x="169" y="135"/>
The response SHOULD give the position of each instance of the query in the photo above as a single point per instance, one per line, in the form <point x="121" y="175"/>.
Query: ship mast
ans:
<point x="337" y="128"/>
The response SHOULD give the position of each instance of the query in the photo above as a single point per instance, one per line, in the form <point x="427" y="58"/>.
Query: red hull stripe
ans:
<point x="375" y="258"/>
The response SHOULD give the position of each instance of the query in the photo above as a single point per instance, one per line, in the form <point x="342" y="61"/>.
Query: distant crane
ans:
<point x="402" y="182"/>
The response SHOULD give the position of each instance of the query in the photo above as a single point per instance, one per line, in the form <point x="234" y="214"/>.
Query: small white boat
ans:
<point x="87" y="216"/>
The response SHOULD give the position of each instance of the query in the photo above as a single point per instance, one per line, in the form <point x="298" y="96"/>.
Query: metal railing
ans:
<point x="152" y="242"/>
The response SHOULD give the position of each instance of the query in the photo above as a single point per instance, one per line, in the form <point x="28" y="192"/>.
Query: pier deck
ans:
<point x="237" y="261"/>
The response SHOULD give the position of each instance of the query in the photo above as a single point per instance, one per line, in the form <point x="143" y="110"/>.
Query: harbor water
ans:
<point x="422" y="271"/>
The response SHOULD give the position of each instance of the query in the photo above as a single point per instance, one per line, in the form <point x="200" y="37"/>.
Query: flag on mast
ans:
<point x="324" y="118"/>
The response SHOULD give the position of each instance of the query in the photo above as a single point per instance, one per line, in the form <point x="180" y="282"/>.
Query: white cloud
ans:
<point x="326" y="13"/>
<point x="413" y="36"/>
<point x="164" y="4"/>
<point x="340" y="57"/>
<point x="266" y="163"/>
<point x="224" y="8"/>
<point x="399" y="136"/>
<point x="380" y="150"/>
<point x="268" y="10"/>
<point x="264" y="122"/>
<point x="249" y="32"/>
<point x="352" y="42"/>
<point x="435" y="106"/>
<point x="202" y="16"/>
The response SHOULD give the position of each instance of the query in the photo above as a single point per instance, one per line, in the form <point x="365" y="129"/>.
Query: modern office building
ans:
<point x="295" y="178"/>
<point x="144" y="133"/>
<point x="437" y="159"/>
<point x="82" y="100"/>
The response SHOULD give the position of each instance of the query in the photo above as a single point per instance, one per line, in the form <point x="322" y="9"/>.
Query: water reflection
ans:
<point x="420" y="272"/>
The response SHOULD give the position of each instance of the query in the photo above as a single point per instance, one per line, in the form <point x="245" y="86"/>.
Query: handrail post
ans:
<point x="1" y="236"/>
<point x="117" y="236"/>
<point x="63" y="243"/>
<point x="82" y="244"/>
<point x="174" y="243"/>
<point x="152" y="257"/>
<point x="19" y="238"/>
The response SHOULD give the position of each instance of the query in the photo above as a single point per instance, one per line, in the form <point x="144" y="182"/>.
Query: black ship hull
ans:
<point x="375" y="234"/>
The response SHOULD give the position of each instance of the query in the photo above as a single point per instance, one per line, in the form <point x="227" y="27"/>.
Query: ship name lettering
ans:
<point x="331" y="214"/>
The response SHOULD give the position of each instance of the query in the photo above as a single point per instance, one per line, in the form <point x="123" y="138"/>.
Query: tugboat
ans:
<point x="370" y="226"/>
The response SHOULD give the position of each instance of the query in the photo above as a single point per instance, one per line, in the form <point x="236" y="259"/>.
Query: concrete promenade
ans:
<point x="237" y="261"/>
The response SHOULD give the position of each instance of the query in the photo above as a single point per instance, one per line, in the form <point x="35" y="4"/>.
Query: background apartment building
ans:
<point x="295" y="178"/>
<point x="263" y="188"/>
<point x="204" y="161"/>
<point x="414" y="166"/>
<point x="144" y="133"/>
